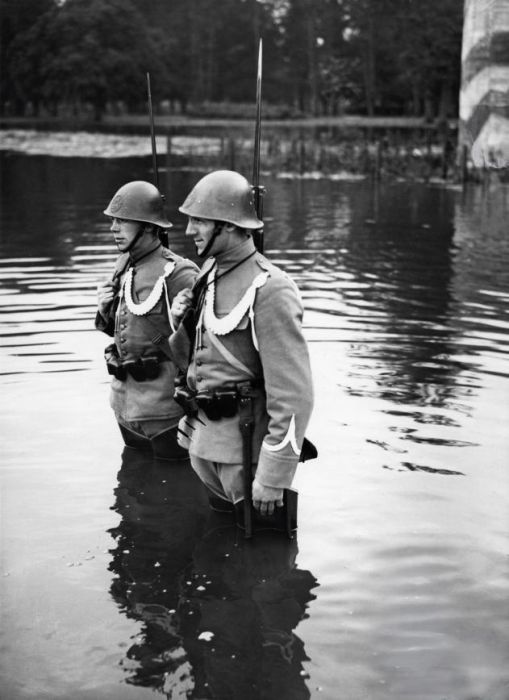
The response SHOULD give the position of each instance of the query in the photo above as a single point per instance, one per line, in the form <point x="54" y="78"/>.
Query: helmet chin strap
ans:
<point x="218" y="227"/>
<point x="137" y="237"/>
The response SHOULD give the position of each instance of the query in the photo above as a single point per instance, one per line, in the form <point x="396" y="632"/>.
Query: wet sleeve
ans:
<point x="287" y="376"/>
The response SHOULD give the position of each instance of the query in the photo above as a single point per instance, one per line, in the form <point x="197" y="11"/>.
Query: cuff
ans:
<point x="275" y="470"/>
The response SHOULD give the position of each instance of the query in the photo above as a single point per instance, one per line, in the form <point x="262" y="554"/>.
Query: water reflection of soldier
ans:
<point x="247" y="597"/>
<point x="162" y="518"/>
<point x="218" y="612"/>
<point x="134" y="308"/>
<point x="246" y="334"/>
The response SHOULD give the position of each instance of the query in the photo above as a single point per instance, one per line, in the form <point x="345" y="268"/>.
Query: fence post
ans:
<point x="378" y="159"/>
<point x="231" y="152"/>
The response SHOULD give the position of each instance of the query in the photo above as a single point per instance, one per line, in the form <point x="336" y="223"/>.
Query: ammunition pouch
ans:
<point x="216" y="404"/>
<point x="140" y="370"/>
<point x="113" y="362"/>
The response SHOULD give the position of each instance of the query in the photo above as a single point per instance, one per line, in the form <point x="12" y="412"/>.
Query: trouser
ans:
<point x="224" y="480"/>
<point x="159" y="436"/>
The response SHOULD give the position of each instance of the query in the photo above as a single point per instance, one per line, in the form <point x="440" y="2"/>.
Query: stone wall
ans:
<point x="484" y="96"/>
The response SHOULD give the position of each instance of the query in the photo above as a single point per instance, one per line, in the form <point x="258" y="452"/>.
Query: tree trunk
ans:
<point x="369" y="65"/>
<point x="311" y="58"/>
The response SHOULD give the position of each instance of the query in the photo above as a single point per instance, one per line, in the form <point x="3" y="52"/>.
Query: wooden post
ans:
<point x="168" y="152"/>
<point x="378" y="159"/>
<point x="231" y="153"/>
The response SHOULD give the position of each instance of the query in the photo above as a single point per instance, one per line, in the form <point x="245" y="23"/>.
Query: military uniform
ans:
<point x="139" y="322"/>
<point x="249" y="329"/>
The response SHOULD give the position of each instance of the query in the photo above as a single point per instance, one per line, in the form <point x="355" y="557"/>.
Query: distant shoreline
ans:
<point x="316" y="150"/>
<point x="167" y="124"/>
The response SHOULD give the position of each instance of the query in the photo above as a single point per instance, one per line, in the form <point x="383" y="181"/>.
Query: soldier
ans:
<point x="248" y="340"/>
<point x="134" y="308"/>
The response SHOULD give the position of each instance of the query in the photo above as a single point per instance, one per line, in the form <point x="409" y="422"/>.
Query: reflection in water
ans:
<point x="217" y="612"/>
<point x="404" y="258"/>
<point x="380" y="276"/>
<point x="163" y="511"/>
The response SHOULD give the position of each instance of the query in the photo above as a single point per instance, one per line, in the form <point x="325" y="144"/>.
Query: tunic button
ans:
<point x="199" y="379"/>
<point x="122" y="340"/>
<point x="198" y="362"/>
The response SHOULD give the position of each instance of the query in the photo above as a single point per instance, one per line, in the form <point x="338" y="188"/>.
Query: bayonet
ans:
<point x="258" y="190"/>
<point x="163" y="235"/>
<point x="152" y="133"/>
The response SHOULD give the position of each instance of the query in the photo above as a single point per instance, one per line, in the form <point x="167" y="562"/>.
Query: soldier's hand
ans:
<point x="181" y="302"/>
<point x="105" y="295"/>
<point x="266" y="498"/>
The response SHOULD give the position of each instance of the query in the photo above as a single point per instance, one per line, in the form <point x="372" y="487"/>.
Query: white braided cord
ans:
<point x="144" y="307"/>
<point x="225" y="325"/>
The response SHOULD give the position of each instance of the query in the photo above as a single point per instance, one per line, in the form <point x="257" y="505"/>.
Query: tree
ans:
<point x="429" y="54"/>
<point x="409" y="50"/>
<point x="84" y="52"/>
<point x="320" y="56"/>
<point x="16" y="16"/>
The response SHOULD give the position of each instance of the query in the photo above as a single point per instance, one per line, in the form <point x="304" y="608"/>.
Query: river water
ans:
<point x="117" y="583"/>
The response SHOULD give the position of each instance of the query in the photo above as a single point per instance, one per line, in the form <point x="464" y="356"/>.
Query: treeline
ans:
<point x="321" y="57"/>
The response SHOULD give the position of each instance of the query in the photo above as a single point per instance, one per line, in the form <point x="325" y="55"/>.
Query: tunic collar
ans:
<point x="144" y="257"/>
<point x="229" y="257"/>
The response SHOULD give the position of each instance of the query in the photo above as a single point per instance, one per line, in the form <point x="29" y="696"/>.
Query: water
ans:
<point x="115" y="582"/>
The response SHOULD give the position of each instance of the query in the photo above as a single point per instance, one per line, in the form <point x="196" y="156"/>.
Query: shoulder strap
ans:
<point x="228" y="356"/>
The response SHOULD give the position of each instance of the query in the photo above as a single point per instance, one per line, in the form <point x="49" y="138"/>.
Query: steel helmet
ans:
<point x="139" y="201"/>
<point x="223" y="195"/>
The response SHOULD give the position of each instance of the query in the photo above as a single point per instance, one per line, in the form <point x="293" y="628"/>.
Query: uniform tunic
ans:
<point x="250" y="328"/>
<point x="143" y="334"/>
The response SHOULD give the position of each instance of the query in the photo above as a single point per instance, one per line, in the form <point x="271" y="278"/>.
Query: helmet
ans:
<point x="139" y="201"/>
<point x="223" y="195"/>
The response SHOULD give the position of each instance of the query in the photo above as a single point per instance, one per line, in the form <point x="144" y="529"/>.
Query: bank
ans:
<point x="385" y="147"/>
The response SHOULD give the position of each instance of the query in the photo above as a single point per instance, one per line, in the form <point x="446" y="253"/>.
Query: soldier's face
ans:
<point x="201" y="230"/>
<point x="124" y="231"/>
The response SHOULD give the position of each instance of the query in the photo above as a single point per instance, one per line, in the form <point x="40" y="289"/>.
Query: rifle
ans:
<point x="246" y="418"/>
<point x="258" y="190"/>
<point x="163" y="235"/>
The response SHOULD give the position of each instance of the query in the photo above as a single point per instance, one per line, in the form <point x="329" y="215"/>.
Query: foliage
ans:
<point x="320" y="56"/>
<point x="84" y="52"/>
<point x="16" y="16"/>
